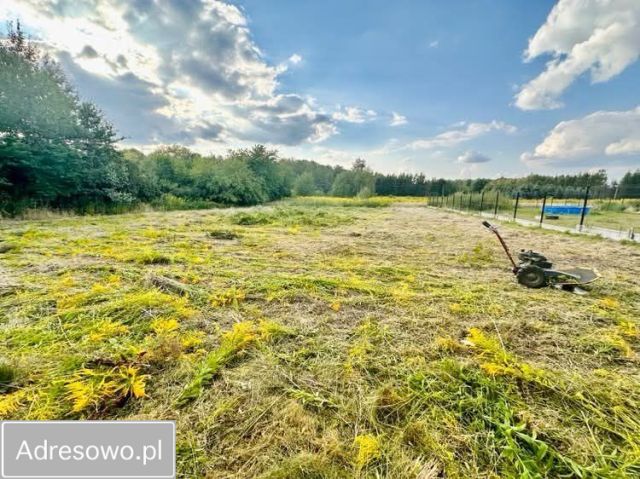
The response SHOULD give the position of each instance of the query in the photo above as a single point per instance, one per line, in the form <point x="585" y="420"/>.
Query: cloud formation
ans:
<point x="473" y="157"/>
<point x="173" y="70"/>
<point x="597" y="36"/>
<point x="353" y="114"/>
<point x="295" y="59"/>
<point x="604" y="136"/>
<point x="397" y="119"/>
<point x="461" y="133"/>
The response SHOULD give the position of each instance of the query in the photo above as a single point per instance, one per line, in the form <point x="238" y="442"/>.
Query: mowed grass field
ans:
<point x="326" y="339"/>
<point x="618" y="215"/>
<point x="622" y="217"/>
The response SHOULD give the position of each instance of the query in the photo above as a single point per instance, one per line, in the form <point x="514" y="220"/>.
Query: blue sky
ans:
<point x="461" y="88"/>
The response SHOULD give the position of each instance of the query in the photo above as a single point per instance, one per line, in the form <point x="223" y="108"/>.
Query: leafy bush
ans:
<point x="350" y="183"/>
<point x="305" y="185"/>
<point x="365" y="193"/>
<point x="169" y="202"/>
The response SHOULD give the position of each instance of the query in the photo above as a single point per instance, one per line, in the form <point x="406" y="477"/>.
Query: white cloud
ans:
<point x="460" y="133"/>
<point x="397" y="119"/>
<point x="353" y="114"/>
<point x="603" y="135"/>
<point x="627" y="146"/>
<point x="295" y="59"/>
<point x="597" y="36"/>
<point x="167" y="71"/>
<point x="331" y="156"/>
<point x="473" y="157"/>
<point x="322" y="132"/>
<point x="434" y="43"/>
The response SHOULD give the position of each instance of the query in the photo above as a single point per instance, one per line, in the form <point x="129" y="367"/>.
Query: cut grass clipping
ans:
<point x="226" y="235"/>
<point x="415" y="352"/>
<point x="242" y="336"/>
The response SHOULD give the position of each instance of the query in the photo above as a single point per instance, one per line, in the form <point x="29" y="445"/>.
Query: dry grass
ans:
<point x="327" y="340"/>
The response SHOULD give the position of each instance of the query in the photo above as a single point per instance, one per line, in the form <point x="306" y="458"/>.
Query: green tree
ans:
<point x="305" y="185"/>
<point x="55" y="150"/>
<point x="172" y="168"/>
<point x="351" y="183"/>
<point x="231" y="182"/>
<point x="264" y="165"/>
<point x="142" y="178"/>
<point x="629" y="186"/>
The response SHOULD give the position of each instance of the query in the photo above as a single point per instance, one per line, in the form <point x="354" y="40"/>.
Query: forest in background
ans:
<point x="60" y="152"/>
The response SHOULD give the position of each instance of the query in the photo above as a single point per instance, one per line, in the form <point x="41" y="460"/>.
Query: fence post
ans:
<point x="515" y="208"/>
<point x="584" y="207"/>
<point x="495" y="208"/>
<point x="481" y="200"/>
<point x="544" y="203"/>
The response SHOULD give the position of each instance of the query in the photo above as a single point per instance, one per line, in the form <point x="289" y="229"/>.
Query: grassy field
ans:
<point x="615" y="216"/>
<point x="323" y="339"/>
<point x="619" y="215"/>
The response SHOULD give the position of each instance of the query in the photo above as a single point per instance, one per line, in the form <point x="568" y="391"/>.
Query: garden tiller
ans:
<point x="535" y="271"/>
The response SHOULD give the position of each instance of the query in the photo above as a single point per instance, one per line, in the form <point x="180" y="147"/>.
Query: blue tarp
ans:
<point x="565" y="210"/>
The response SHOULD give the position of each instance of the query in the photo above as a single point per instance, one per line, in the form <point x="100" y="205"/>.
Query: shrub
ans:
<point x="365" y="193"/>
<point x="305" y="185"/>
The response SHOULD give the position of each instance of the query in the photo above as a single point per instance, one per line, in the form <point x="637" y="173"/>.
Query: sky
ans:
<point x="457" y="89"/>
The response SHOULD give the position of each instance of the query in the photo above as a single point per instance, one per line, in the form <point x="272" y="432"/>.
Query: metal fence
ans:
<point x="592" y="210"/>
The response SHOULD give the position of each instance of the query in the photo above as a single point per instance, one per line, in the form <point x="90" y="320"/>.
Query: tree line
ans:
<point x="58" y="151"/>
<point x="531" y="186"/>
